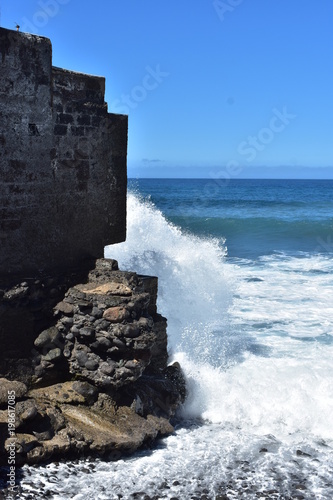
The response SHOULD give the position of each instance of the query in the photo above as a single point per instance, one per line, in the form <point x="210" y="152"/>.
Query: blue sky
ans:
<point x="211" y="87"/>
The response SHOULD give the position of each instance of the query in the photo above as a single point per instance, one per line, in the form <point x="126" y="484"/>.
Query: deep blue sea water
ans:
<point x="245" y="273"/>
<point x="256" y="217"/>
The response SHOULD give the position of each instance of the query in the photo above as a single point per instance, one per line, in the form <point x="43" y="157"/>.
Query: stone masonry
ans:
<point x="62" y="163"/>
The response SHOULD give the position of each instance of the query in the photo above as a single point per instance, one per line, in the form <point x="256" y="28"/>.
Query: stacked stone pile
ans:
<point x="98" y="381"/>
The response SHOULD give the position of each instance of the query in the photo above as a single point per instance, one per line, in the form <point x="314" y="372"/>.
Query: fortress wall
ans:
<point x="62" y="163"/>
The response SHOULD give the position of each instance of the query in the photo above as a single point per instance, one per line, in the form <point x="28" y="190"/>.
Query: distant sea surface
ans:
<point x="256" y="217"/>
<point x="245" y="273"/>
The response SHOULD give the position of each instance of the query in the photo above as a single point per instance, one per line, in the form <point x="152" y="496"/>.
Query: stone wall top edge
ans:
<point x="118" y="115"/>
<point x="56" y="69"/>
<point x="26" y="35"/>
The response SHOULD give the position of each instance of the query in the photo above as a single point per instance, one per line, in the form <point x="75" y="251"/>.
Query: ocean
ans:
<point x="245" y="273"/>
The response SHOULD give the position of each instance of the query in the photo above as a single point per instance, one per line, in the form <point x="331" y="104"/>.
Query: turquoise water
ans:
<point x="256" y="217"/>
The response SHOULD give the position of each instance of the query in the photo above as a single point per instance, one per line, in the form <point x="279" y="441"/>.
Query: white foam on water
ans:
<point x="255" y="341"/>
<point x="193" y="282"/>
<point x="295" y="291"/>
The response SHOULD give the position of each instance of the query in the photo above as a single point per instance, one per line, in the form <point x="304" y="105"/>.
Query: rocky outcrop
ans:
<point x="83" y="361"/>
<point x="98" y="381"/>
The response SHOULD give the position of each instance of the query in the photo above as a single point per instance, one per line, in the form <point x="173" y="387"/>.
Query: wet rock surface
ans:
<point x="98" y="382"/>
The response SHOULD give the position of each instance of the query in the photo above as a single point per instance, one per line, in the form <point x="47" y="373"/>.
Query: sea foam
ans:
<point x="254" y="340"/>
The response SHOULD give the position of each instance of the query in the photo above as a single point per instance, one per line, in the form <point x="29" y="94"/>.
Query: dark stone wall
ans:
<point x="62" y="163"/>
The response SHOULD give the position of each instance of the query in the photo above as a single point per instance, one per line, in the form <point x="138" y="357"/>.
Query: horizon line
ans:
<point x="235" y="178"/>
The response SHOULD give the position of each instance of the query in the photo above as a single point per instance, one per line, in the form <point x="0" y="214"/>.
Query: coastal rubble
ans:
<point x="96" y="381"/>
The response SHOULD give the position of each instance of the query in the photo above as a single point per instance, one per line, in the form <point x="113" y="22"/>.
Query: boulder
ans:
<point x="116" y="314"/>
<point x="12" y="388"/>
